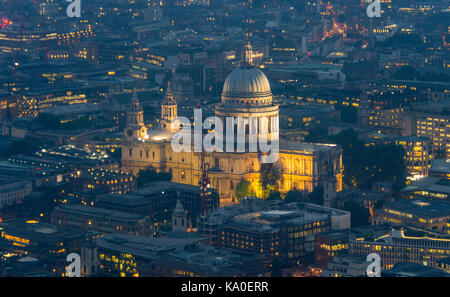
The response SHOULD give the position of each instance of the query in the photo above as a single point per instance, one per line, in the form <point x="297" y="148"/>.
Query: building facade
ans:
<point x="418" y="154"/>
<point x="13" y="191"/>
<point x="246" y="94"/>
<point x="433" y="121"/>
<point x="102" y="220"/>
<point x="398" y="247"/>
<point x="433" y="215"/>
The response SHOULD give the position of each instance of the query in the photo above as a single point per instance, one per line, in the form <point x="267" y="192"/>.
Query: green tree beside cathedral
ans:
<point x="149" y="175"/>
<point x="244" y="189"/>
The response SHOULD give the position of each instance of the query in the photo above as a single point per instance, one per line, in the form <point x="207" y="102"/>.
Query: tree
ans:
<point x="402" y="40"/>
<point x="359" y="215"/>
<point x="435" y="76"/>
<point x="406" y="72"/>
<point x="244" y="189"/>
<point x="316" y="134"/>
<point x="341" y="18"/>
<point x="316" y="196"/>
<point x="117" y="154"/>
<point x="294" y="196"/>
<point x="364" y="165"/>
<point x="349" y="114"/>
<point x="48" y="121"/>
<point x="53" y="122"/>
<point x="274" y="196"/>
<point x="277" y="268"/>
<point x="24" y="147"/>
<point x="268" y="178"/>
<point x="79" y="123"/>
<point x="149" y="175"/>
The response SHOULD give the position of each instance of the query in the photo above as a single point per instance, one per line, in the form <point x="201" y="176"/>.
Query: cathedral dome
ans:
<point x="247" y="86"/>
<point x="246" y="82"/>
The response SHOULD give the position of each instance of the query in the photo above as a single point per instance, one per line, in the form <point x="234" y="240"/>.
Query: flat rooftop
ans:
<point x="440" y="166"/>
<point x="162" y="186"/>
<point x="306" y="148"/>
<point x="421" y="207"/>
<point x="146" y="247"/>
<point x="272" y="220"/>
<point x="98" y="212"/>
<point x="431" y="184"/>
<point x="38" y="232"/>
<point x="304" y="110"/>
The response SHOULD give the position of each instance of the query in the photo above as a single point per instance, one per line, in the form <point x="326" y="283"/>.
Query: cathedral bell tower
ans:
<point x="135" y="120"/>
<point x="169" y="112"/>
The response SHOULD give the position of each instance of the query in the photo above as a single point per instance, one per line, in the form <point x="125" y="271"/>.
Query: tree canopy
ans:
<point x="244" y="189"/>
<point x="408" y="72"/>
<point x="268" y="179"/>
<point x="274" y="196"/>
<point x="359" y="215"/>
<point x="295" y="196"/>
<point x="24" y="146"/>
<point x="365" y="165"/>
<point x="53" y="122"/>
<point x="149" y="175"/>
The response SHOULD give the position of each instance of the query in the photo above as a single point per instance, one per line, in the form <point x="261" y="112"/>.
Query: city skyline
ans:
<point x="235" y="138"/>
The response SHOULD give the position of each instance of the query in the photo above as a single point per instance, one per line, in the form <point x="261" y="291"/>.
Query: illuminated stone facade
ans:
<point x="246" y="93"/>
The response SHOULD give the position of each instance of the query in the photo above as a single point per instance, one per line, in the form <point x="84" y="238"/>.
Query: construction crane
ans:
<point x="204" y="184"/>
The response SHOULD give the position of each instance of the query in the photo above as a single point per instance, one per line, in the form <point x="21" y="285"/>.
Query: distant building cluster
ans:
<point x="355" y="110"/>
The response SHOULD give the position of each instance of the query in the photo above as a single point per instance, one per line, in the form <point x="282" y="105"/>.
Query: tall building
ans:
<point x="246" y="94"/>
<point x="418" y="154"/>
<point x="271" y="229"/>
<point x="33" y="240"/>
<point x="125" y="255"/>
<point x="158" y="200"/>
<point x="328" y="245"/>
<point x="101" y="220"/>
<point x="433" y="121"/>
